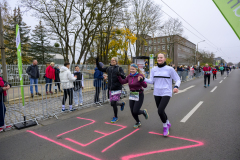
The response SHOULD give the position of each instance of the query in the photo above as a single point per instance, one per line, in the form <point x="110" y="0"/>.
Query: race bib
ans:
<point x="134" y="96"/>
<point x="116" y="92"/>
<point x="207" y="72"/>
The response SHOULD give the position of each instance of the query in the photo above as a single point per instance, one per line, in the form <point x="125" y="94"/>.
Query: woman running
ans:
<point x="136" y="93"/>
<point x="162" y="77"/>
<point x="114" y="86"/>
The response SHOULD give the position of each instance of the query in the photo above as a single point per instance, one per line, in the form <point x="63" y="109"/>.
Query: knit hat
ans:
<point x="101" y="64"/>
<point x="134" y="65"/>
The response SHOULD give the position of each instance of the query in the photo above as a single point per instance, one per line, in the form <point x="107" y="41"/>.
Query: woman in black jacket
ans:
<point x="4" y="86"/>
<point x="57" y="78"/>
<point x="114" y="86"/>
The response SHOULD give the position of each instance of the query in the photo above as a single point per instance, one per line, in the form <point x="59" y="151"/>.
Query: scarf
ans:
<point x="2" y="85"/>
<point x="134" y="74"/>
<point x="162" y="65"/>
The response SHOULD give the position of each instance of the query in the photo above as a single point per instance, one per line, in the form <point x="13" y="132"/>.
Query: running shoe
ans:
<point x="205" y="86"/>
<point x="71" y="110"/>
<point x="1" y="129"/>
<point x="165" y="131"/>
<point x="114" y="120"/>
<point x="169" y="125"/>
<point x="137" y="125"/>
<point x="122" y="106"/>
<point x="63" y="110"/>
<point x="146" y="115"/>
<point x="208" y="85"/>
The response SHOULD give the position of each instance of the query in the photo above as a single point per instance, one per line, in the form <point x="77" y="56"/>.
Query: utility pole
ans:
<point x="4" y="66"/>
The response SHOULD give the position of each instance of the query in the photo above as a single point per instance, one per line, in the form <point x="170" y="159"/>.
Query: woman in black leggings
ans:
<point x="162" y="77"/>
<point x="136" y="93"/>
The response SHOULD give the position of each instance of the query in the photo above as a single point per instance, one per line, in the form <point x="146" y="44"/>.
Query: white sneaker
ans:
<point x="76" y="105"/>
<point x="80" y="104"/>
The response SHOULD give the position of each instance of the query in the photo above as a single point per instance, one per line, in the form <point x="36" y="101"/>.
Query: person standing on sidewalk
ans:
<point x="162" y="77"/>
<point x="67" y="80"/>
<point x="33" y="74"/>
<point x="114" y="86"/>
<point x="222" y="70"/>
<point x="146" y="69"/>
<point x="78" y="87"/>
<point x="57" y="78"/>
<point x="49" y="76"/>
<point x="98" y="80"/>
<point x="214" y="71"/>
<point x="136" y="97"/>
<point x="207" y="74"/>
<point x="4" y="86"/>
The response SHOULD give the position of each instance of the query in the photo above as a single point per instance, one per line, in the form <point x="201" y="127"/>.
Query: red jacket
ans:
<point x="214" y="71"/>
<point x="50" y="72"/>
<point x="207" y="70"/>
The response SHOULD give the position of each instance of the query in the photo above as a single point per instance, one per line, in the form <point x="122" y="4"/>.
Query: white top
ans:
<point x="162" y="80"/>
<point x="66" y="78"/>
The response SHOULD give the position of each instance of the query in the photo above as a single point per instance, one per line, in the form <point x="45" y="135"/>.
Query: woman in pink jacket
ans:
<point x="49" y="76"/>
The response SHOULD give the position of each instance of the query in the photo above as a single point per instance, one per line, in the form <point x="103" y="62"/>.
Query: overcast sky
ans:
<point x="203" y="15"/>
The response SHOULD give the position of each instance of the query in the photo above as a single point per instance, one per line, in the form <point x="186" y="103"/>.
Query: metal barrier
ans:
<point x="188" y="75"/>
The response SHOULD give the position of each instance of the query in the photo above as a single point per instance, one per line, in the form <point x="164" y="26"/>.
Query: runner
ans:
<point x="136" y="93"/>
<point x="222" y="70"/>
<point x="114" y="86"/>
<point x="162" y="77"/>
<point x="214" y="70"/>
<point x="207" y="74"/>
<point x="227" y="69"/>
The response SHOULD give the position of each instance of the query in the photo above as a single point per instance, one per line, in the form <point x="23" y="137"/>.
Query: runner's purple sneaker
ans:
<point x="169" y="125"/>
<point x="165" y="131"/>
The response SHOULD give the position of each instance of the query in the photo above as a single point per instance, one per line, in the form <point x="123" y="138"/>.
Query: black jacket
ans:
<point x="1" y="90"/>
<point x="78" y="83"/>
<point x="57" y="72"/>
<point x="113" y="82"/>
<point x="33" y="72"/>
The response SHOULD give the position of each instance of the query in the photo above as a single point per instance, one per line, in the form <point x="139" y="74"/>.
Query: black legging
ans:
<point x="162" y="102"/>
<point x="222" y="72"/>
<point x="2" y="112"/>
<point x="67" y="92"/>
<point x="114" y="104"/>
<point x="135" y="107"/>
<point x="96" y="98"/>
<point x="214" y="75"/>
<point x="205" y="78"/>
<point x="57" y="84"/>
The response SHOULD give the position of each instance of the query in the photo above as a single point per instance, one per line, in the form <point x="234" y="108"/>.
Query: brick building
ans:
<point x="177" y="48"/>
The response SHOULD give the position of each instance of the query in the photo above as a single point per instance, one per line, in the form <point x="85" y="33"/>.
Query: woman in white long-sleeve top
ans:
<point x="161" y="77"/>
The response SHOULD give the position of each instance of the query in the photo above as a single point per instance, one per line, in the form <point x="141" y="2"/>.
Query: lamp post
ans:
<point x="197" y="51"/>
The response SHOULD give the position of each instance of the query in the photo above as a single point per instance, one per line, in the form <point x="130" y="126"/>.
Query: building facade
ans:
<point x="178" y="49"/>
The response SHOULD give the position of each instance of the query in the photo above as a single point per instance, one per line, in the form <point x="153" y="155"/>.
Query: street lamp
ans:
<point x="197" y="51"/>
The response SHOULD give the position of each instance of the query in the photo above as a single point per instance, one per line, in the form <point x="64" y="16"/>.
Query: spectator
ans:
<point x="67" y="80"/>
<point x="78" y="87"/>
<point x="57" y="78"/>
<point x="98" y="78"/>
<point x="4" y="86"/>
<point x="146" y="69"/>
<point x="49" y="76"/>
<point x="33" y="74"/>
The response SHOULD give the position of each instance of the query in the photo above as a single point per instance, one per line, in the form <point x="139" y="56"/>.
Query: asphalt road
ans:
<point x="209" y="132"/>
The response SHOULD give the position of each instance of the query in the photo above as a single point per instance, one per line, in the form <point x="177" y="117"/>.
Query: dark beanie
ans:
<point x="101" y="64"/>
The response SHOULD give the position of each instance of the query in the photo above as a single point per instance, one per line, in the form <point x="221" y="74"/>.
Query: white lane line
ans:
<point x="221" y="81"/>
<point x="224" y="77"/>
<point x="191" y="112"/>
<point x="214" y="89"/>
<point x="184" y="90"/>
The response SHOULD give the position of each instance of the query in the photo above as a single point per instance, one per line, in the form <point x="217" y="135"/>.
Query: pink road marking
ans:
<point x="63" y="145"/>
<point x="165" y="150"/>
<point x="100" y="132"/>
<point x="105" y="134"/>
<point x="119" y="140"/>
<point x="78" y="127"/>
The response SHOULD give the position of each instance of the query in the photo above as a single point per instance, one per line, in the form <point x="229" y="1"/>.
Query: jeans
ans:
<point x="50" y="85"/>
<point x="33" y="81"/>
<point x="2" y="113"/>
<point x="77" y="95"/>
<point x="147" y="73"/>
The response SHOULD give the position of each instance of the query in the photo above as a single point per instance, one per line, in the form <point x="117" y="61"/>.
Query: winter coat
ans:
<point x="207" y="70"/>
<point x="50" y="72"/>
<point x="98" y="78"/>
<point x="57" y="72"/>
<point x="113" y="82"/>
<point x="66" y="78"/>
<point x="78" y="84"/>
<point x="33" y="72"/>
<point x="214" y="71"/>
<point x="221" y="68"/>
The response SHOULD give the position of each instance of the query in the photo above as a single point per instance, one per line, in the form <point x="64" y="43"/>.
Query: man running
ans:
<point x="162" y="77"/>
<point x="207" y="74"/>
<point x="227" y="69"/>
<point x="222" y="70"/>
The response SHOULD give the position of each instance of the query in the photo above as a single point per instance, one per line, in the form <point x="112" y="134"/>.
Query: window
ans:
<point x="150" y="49"/>
<point x="154" y="40"/>
<point x="159" y="40"/>
<point x="159" y="47"/>
<point x="168" y="39"/>
<point x="163" y="47"/>
<point x="146" y="48"/>
<point x="163" y="40"/>
<point x="168" y="47"/>
<point x="155" y="48"/>
<point x="150" y="42"/>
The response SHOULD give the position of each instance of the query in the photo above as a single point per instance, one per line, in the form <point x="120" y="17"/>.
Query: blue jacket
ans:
<point x="98" y="78"/>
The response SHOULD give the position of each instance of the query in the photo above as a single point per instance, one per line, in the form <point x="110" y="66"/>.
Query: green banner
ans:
<point x="19" y="55"/>
<point x="230" y="9"/>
